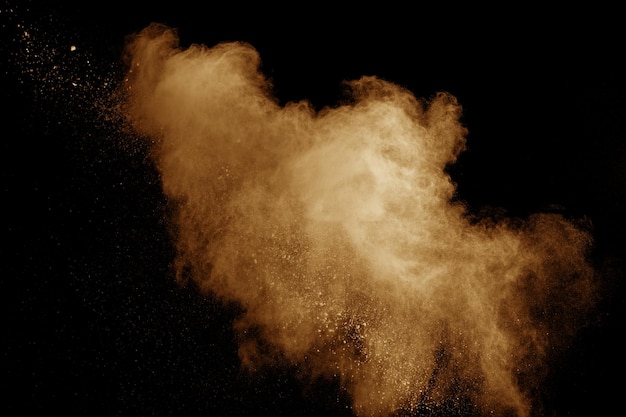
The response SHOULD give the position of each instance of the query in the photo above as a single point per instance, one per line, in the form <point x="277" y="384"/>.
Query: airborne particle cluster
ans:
<point x="336" y="232"/>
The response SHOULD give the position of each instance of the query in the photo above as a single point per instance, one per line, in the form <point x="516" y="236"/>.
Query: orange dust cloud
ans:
<point x="336" y="233"/>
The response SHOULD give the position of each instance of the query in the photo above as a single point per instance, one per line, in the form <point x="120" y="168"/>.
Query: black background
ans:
<point x="95" y="324"/>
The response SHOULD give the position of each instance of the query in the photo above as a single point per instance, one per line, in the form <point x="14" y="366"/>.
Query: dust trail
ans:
<point x="336" y="232"/>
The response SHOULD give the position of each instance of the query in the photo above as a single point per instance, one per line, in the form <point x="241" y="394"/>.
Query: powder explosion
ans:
<point x="337" y="234"/>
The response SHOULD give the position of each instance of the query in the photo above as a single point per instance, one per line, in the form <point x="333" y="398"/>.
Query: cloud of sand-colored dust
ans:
<point x="337" y="233"/>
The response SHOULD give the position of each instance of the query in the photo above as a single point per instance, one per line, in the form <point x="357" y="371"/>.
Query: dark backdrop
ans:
<point x="95" y="324"/>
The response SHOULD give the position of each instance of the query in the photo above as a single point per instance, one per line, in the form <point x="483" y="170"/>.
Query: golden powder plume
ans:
<point x="336" y="232"/>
